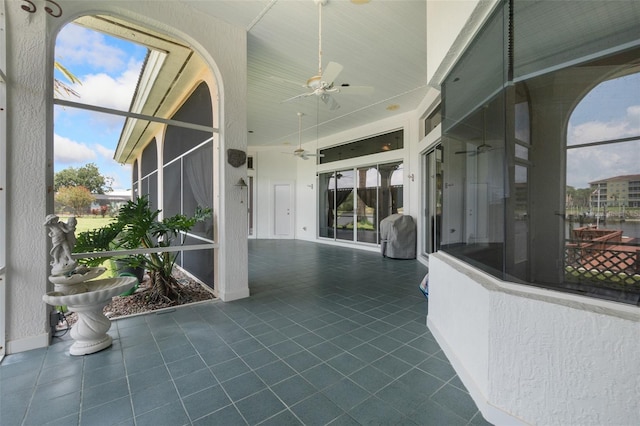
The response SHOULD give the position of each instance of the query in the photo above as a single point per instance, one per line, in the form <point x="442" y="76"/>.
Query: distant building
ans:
<point x="616" y="191"/>
<point x="113" y="199"/>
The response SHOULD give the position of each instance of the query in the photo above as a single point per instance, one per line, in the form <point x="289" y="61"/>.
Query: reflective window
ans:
<point x="542" y="179"/>
<point x="375" y="144"/>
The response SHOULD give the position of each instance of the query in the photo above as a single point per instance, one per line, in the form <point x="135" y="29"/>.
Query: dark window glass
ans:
<point x="539" y="182"/>
<point x="149" y="161"/>
<point x="373" y="145"/>
<point x="433" y="120"/>
<point x="198" y="110"/>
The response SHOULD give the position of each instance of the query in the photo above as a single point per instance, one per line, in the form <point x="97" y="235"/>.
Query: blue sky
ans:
<point x="610" y="111"/>
<point x="109" y="69"/>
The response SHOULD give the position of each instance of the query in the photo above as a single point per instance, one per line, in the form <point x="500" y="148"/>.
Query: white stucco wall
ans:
<point x="530" y="355"/>
<point x="30" y="136"/>
<point x="27" y="181"/>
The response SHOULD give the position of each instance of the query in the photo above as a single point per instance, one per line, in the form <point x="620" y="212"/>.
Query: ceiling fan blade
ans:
<point x="329" y="101"/>
<point x="303" y="95"/>
<point x="331" y="72"/>
<point x="356" y="90"/>
<point x="284" y="80"/>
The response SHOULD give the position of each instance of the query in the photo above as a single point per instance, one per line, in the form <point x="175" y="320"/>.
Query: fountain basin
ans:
<point x="75" y="283"/>
<point x="90" y="331"/>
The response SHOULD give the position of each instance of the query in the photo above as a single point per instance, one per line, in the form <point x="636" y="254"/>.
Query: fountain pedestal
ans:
<point x="90" y="331"/>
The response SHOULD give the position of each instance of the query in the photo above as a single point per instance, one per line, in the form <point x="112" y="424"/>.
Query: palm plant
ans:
<point x="137" y="226"/>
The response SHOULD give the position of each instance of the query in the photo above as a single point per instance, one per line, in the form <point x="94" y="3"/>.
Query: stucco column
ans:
<point x="29" y="182"/>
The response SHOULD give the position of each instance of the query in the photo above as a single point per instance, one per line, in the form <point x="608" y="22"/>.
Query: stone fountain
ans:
<point x="75" y="288"/>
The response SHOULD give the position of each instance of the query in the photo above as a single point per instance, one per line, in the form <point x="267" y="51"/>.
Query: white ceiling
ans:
<point x="381" y="43"/>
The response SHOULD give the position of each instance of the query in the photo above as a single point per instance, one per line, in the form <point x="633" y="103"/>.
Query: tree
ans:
<point x="88" y="176"/>
<point x="76" y="197"/>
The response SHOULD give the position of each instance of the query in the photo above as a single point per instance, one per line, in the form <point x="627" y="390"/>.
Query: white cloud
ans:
<point x="105" y="152"/>
<point x="79" y="45"/>
<point x="67" y="151"/>
<point x="109" y="91"/>
<point x="586" y="165"/>
<point x="594" y="131"/>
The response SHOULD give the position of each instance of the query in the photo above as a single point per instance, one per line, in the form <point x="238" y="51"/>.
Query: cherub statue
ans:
<point x="62" y="240"/>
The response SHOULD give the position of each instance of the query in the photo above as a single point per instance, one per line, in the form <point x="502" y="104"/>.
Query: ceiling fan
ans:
<point x="299" y="152"/>
<point x="322" y="85"/>
<point x="484" y="146"/>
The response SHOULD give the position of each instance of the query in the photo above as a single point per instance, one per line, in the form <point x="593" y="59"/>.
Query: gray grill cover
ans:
<point x="398" y="237"/>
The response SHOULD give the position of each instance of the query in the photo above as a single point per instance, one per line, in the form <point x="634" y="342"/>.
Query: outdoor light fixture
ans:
<point x="242" y="185"/>
<point x="31" y="8"/>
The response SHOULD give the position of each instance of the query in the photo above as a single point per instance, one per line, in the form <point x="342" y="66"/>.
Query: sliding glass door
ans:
<point x="353" y="201"/>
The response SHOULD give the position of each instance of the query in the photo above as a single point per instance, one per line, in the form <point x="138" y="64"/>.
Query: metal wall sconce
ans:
<point x="242" y="185"/>
<point x="31" y="8"/>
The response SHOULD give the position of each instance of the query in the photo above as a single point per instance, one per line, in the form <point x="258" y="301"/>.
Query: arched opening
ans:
<point x="138" y="103"/>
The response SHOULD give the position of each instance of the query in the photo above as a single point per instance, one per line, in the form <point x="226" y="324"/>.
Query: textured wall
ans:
<point x="548" y="358"/>
<point x="27" y="257"/>
<point x="30" y="135"/>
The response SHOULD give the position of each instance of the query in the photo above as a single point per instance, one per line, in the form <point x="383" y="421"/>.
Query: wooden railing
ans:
<point x="602" y="256"/>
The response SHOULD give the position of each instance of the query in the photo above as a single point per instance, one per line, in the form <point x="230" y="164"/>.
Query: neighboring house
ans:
<point x="482" y="167"/>
<point x="113" y="199"/>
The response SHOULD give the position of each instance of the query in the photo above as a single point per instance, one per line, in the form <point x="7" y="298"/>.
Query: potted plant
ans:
<point x="137" y="226"/>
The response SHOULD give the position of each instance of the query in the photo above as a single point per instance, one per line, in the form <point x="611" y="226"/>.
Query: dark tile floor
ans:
<point x="330" y="335"/>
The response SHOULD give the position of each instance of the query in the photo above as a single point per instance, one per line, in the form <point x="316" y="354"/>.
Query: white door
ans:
<point x="282" y="210"/>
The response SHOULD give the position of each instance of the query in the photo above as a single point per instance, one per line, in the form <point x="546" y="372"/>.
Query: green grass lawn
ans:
<point x="86" y="223"/>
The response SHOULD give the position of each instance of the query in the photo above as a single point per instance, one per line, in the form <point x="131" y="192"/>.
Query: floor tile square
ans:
<point x="302" y="361"/>
<point x="105" y="392"/>
<point x="371" y="379"/>
<point x="148" y="378"/>
<point x="205" y="402"/>
<point x="259" y="358"/>
<point x="170" y="414"/>
<point x="438" y="368"/>
<point x="153" y="397"/>
<point x="51" y="409"/>
<point x="195" y="382"/>
<point x="458" y="401"/>
<point x="293" y="390"/>
<point x="346" y="394"/>
<point x="374" y="411"/>
<point x="227" y="416"/>
<point x="259" y="406"/>
<point x="230" y="369"/>
<point x="346" y="363"/>
<point x="275" y="372"/>
<point x="391" y="366"/>
<point x="284" y="418"/>
<point x="431" y="414"/>
<point x="322" y="376"/>
<point x="367" y="353"/>
<point x="185" y="366"/>
<point x="242" y="386"/>
<point x="316" y="410"/>
<point x="116" y="411"/>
